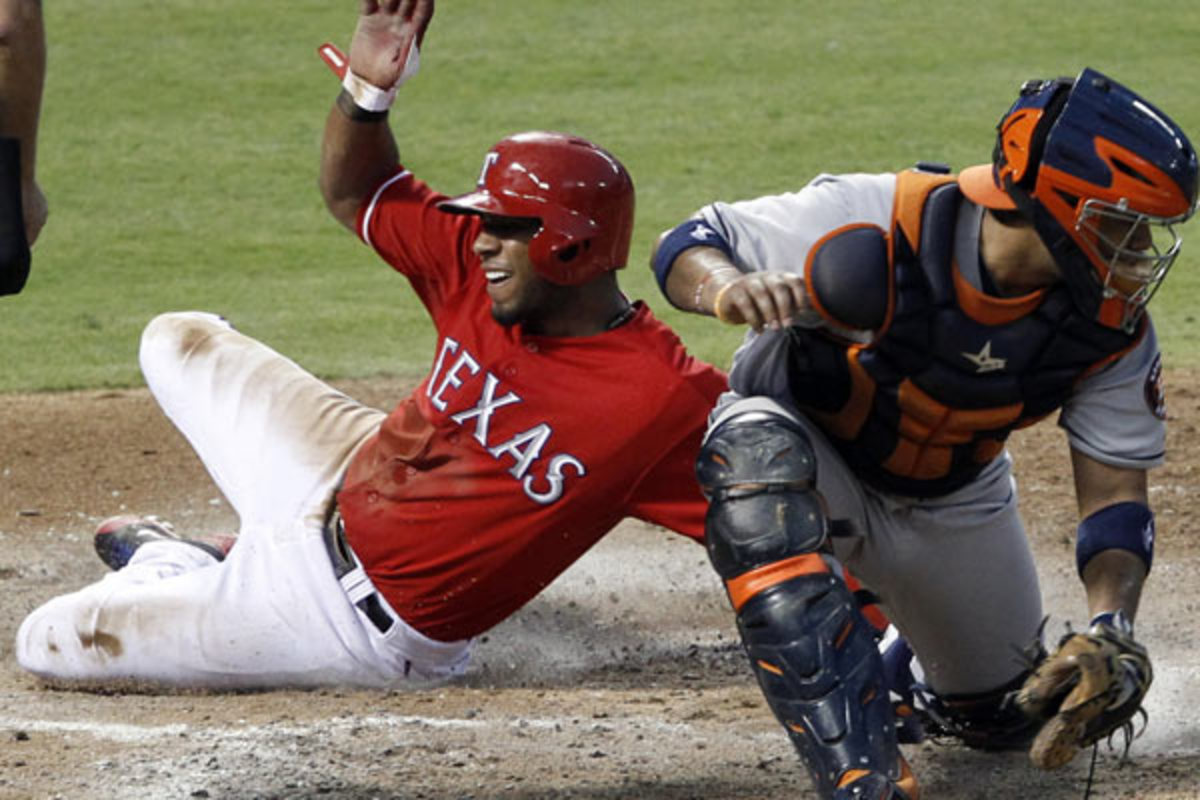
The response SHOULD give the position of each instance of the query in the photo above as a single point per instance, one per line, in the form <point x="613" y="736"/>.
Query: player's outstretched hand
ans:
<point x="770" y="300"/>
<point x="384" y="49"/>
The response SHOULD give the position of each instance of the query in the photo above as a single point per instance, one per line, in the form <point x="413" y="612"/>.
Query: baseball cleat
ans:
<point x="118" y="538"/>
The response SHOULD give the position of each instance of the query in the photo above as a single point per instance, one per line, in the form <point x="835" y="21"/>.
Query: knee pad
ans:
<point x="759" y="472"/>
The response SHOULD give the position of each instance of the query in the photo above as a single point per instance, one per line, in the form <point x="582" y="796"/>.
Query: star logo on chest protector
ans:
<point x="984" y="361"/>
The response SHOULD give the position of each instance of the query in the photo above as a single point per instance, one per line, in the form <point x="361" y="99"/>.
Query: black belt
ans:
<point x="345" y="562"/>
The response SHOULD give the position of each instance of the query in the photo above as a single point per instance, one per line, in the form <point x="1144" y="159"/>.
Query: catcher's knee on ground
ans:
<point x="812" y="651"/>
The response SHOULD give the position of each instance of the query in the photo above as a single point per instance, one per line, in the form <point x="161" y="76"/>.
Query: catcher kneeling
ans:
<point x="901" y="326"/>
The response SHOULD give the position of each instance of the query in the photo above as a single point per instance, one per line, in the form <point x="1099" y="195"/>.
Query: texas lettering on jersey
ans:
<point x="454" y="366"/>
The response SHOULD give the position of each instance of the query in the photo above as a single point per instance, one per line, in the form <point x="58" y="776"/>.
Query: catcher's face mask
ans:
<point x="1132" y="251"/>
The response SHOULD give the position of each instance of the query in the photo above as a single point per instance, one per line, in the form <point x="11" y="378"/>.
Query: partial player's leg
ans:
<point x="957" y="578"/>
<point x="813" y="652"/>
<point x="273" y="613"/>
<point x="267" y="431"/>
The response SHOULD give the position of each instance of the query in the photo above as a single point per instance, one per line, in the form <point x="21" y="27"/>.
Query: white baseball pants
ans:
<point x="276" y="441"/>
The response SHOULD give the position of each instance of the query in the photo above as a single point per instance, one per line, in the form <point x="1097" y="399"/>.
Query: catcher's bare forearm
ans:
<point x="1114" y="500"/>
<point x="696" y="277"/>
<point x="1113" y="581"/>
<point x="704" y="280"/>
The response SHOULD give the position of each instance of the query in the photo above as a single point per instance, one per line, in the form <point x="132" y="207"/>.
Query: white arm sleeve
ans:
<point x="1115" y="416"/>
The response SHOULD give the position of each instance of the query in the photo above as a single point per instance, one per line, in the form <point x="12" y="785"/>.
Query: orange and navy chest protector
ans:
<point x="950" y="371"/>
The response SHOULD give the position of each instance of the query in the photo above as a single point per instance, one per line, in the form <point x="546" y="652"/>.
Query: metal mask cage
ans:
<point x="1135" y="249"/>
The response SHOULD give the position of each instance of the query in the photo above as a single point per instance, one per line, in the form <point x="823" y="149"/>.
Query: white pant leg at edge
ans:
<point x="276" y="440"/>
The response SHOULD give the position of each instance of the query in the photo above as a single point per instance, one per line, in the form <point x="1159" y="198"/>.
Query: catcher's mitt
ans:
<point x="1090" y="687"/>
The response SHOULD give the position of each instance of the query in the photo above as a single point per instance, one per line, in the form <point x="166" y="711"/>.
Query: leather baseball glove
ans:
<point x="1089" y="688"/>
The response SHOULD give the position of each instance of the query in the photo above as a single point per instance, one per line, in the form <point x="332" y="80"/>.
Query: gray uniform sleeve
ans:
<point x="774" y="234"/>
<point x="1115" y="416"/>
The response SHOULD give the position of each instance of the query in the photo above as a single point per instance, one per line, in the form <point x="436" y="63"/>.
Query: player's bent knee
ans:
<point x="180" y="331"/>
<point x="169" y="338"/>
<point x="759" y="472"/>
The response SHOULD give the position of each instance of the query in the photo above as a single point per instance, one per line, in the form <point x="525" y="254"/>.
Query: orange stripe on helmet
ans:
<point x="1016" y="142"/>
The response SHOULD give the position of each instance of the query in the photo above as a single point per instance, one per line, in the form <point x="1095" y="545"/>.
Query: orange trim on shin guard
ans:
<point x="748" y="584"/>
<point x="907" y="782"/>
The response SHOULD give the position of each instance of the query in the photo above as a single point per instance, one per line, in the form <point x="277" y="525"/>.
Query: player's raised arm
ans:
<point x="22" y="73"/>
<point x="23" y="209"/>
<point x="358" y="150"/>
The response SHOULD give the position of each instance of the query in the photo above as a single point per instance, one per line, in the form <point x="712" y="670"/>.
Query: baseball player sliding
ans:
<point x="373" y="548"/>
<point x="902" y="325"/>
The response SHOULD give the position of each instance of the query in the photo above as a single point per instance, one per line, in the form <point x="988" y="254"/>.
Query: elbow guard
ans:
<point x="1122" y="526"/>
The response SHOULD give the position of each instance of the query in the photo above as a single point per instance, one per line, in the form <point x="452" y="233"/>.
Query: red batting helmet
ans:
<point x="1094" y="167"/>
<point x="580" y="193"/>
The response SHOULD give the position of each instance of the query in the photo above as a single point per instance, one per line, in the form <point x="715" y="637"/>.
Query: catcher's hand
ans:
<point x="1090" y="687"/>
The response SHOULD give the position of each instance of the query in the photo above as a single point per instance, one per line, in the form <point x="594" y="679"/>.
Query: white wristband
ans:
<point x="368" y="96"/>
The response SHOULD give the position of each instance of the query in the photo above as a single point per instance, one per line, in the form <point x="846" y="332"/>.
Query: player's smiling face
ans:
<point x="518" y="293"/>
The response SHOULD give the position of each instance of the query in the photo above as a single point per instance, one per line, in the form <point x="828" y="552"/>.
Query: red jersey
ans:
<point x="517" y="452"/>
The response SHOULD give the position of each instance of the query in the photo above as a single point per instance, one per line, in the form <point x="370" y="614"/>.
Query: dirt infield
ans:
<point x="624" y="679"/>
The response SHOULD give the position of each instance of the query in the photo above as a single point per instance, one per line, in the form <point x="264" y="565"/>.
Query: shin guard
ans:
<point x="812" y="651"/>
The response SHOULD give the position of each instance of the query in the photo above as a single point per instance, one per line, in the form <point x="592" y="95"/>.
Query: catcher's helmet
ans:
<point x="1104" y="177"/>
<point x="580" y="193"/>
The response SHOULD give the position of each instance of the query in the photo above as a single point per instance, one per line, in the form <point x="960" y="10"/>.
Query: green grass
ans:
<point x="179" y="144"/>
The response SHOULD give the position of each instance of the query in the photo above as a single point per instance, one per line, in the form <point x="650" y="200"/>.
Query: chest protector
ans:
<point x="925" y="402"/>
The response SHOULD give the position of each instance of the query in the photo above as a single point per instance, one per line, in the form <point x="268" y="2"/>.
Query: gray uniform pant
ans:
<point x="955" y="574"/>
